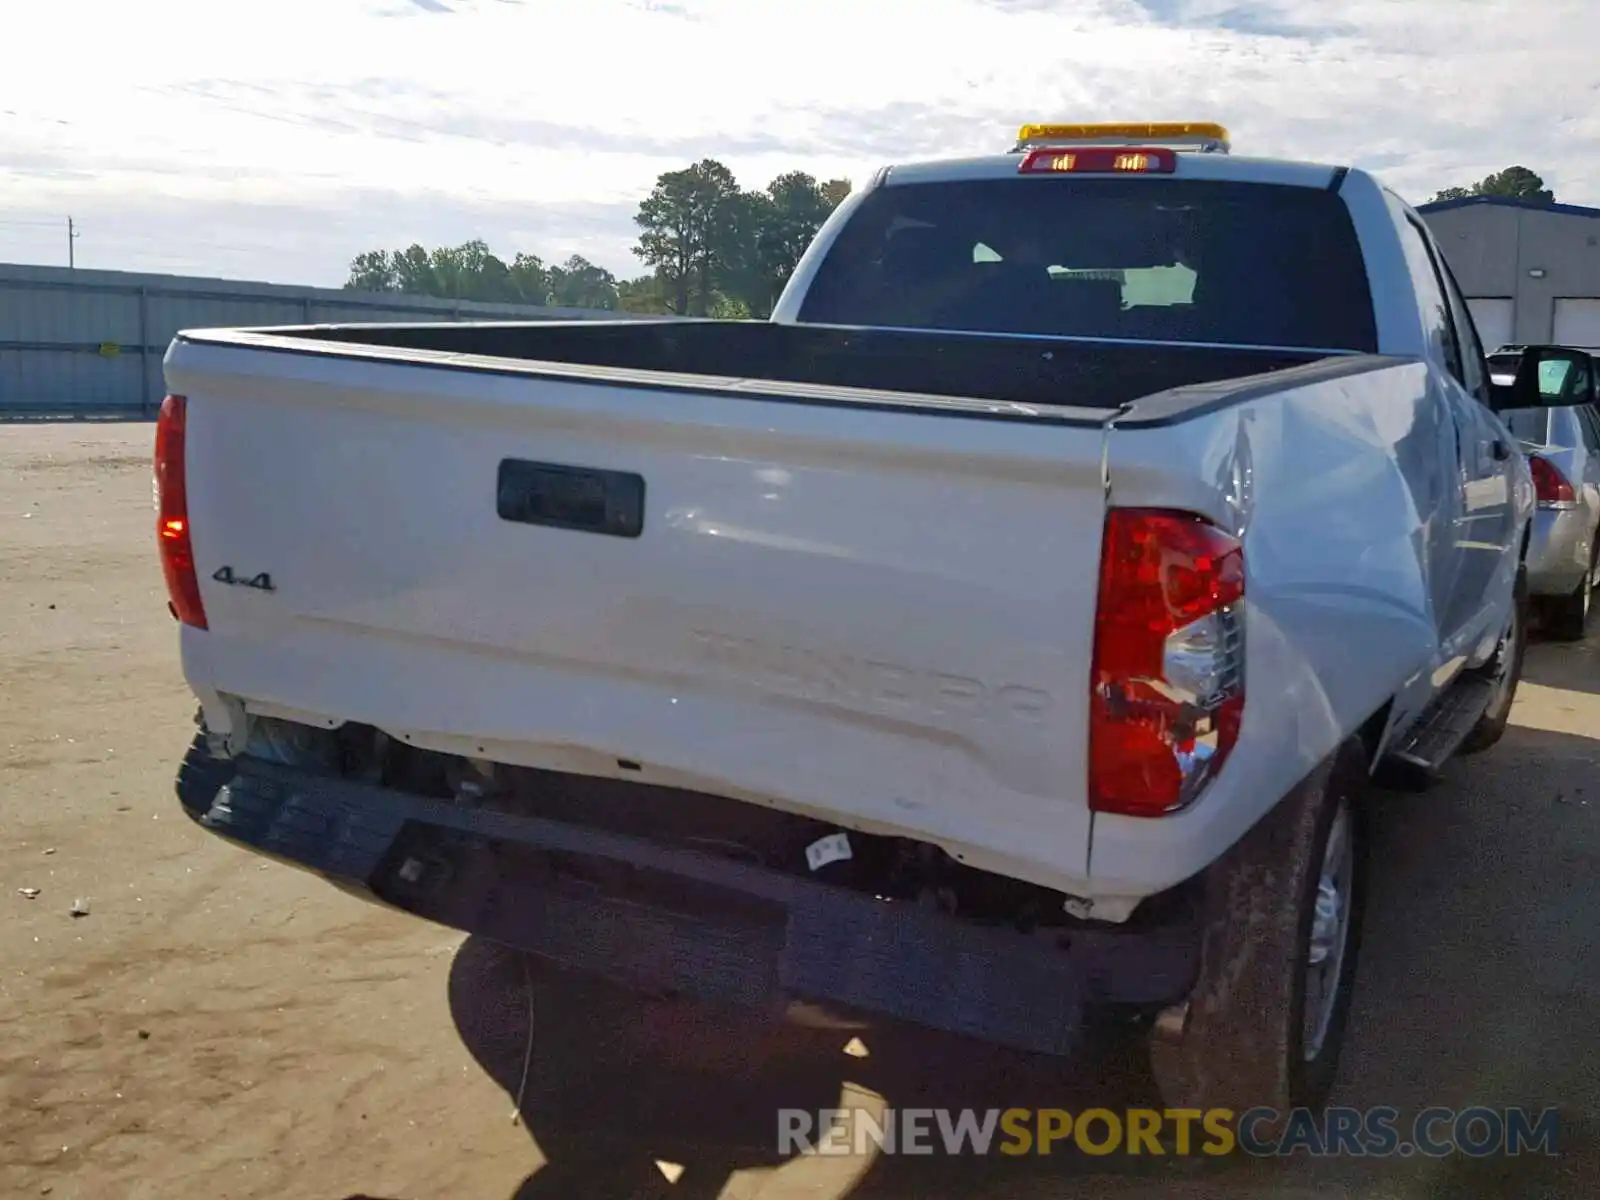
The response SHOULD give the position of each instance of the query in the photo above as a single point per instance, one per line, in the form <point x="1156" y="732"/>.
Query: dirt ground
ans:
<point x="219" y="1027"/>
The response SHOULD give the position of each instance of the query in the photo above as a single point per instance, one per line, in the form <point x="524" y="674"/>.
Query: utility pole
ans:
<point x="72" y="237"/>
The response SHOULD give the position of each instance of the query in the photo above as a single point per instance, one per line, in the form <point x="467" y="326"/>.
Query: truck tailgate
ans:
<point x="872" y="612"/>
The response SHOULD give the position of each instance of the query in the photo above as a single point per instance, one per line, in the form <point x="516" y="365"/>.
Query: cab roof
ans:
<point x="1189" y="166"/>
<point x="1185" y="149"/>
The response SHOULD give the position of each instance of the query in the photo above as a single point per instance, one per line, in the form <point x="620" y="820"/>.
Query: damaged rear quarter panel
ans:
<point x="1330" y="485"/>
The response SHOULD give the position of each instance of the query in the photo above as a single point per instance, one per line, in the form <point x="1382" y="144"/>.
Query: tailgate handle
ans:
<point x="565" y="497"/>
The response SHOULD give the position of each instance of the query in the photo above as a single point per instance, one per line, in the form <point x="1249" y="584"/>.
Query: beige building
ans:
<point x="1530" y="272"/>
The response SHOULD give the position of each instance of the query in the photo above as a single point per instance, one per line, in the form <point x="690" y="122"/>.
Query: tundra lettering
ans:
<point x="824" y="676"/>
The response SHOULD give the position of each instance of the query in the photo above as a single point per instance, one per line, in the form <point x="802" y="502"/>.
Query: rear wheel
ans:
<point x="1504" y="671"/>
<point x="200" y="777"/>
<point x="1266" y="1020"/>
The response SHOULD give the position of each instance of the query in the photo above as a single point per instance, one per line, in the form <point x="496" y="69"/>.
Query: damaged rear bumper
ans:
<point x="657" y="917"/>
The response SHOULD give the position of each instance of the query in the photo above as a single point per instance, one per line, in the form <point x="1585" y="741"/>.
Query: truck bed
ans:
<point x="716" y="557"/>
<point x="763" y="357"/>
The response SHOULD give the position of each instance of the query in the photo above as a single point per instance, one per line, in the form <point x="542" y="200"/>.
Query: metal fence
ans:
<point x="82" y="343"/>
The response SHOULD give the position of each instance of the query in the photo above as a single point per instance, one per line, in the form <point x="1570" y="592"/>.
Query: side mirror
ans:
<point x="1550" y="377"/>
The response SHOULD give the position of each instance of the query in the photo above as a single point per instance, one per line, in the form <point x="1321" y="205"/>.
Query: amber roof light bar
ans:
<point x="1203" y="137"/>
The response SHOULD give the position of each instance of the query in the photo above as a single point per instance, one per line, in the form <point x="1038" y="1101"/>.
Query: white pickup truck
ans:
<point x="1001" y="635"/>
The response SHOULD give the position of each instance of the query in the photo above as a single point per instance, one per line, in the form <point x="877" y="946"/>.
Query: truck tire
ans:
<point x="1282" y="913"/>
<point x="200" y="778"/>
<point x="1504" y="670"/>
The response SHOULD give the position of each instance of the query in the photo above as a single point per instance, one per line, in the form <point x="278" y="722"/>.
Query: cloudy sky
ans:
<point x="277" y="140"/>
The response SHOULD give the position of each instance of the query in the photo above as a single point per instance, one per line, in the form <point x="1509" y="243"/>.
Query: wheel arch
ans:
<point x="1372" y="733"/>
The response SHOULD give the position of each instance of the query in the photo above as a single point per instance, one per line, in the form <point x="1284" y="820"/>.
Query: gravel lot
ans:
<point x="216" y="1026"/>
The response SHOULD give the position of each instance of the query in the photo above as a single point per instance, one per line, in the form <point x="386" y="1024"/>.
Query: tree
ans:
<point x="741" y="282"/>
<point x="714" y="249"/>
<point x="834" y="192"/>
<point x="413" y="272"/>
<point x="371" y="272"/>
<point x="578" y="283"/>
<point x="530" y="279"/>
<point x="688" y="226"/>
<point x="729" y="308"/>
<point x="470" y="272"/>
<point x="717" y="249"/>
<point x="642" y="295"/>
<point x="1519" y="183"/>
<point x="786" y="218"/>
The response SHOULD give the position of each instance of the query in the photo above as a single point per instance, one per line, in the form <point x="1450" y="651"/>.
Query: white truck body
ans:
<point x="851" y="571"/>
<point x="759" y="643"/>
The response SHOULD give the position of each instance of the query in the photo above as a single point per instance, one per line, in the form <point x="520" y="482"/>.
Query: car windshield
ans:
<point x="1157" y="260"/>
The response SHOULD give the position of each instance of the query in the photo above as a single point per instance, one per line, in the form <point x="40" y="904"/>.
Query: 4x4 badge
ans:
<point x="261" y="582"/>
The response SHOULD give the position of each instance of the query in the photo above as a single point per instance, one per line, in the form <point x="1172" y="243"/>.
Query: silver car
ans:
<point x="1562" y="441"/>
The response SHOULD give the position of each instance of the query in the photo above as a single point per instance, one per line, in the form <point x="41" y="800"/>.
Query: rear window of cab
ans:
<point x="1147" y="259"/>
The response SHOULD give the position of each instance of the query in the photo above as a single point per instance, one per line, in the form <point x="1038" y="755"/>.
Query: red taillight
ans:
<point x="1167" y="685"/>
<point x="1103" y="160"/>
<point x="172" y="515"/>
<point x="1550" y="486"/>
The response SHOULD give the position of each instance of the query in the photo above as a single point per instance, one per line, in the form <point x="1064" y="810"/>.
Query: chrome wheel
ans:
<point x="1330" y="932"/>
